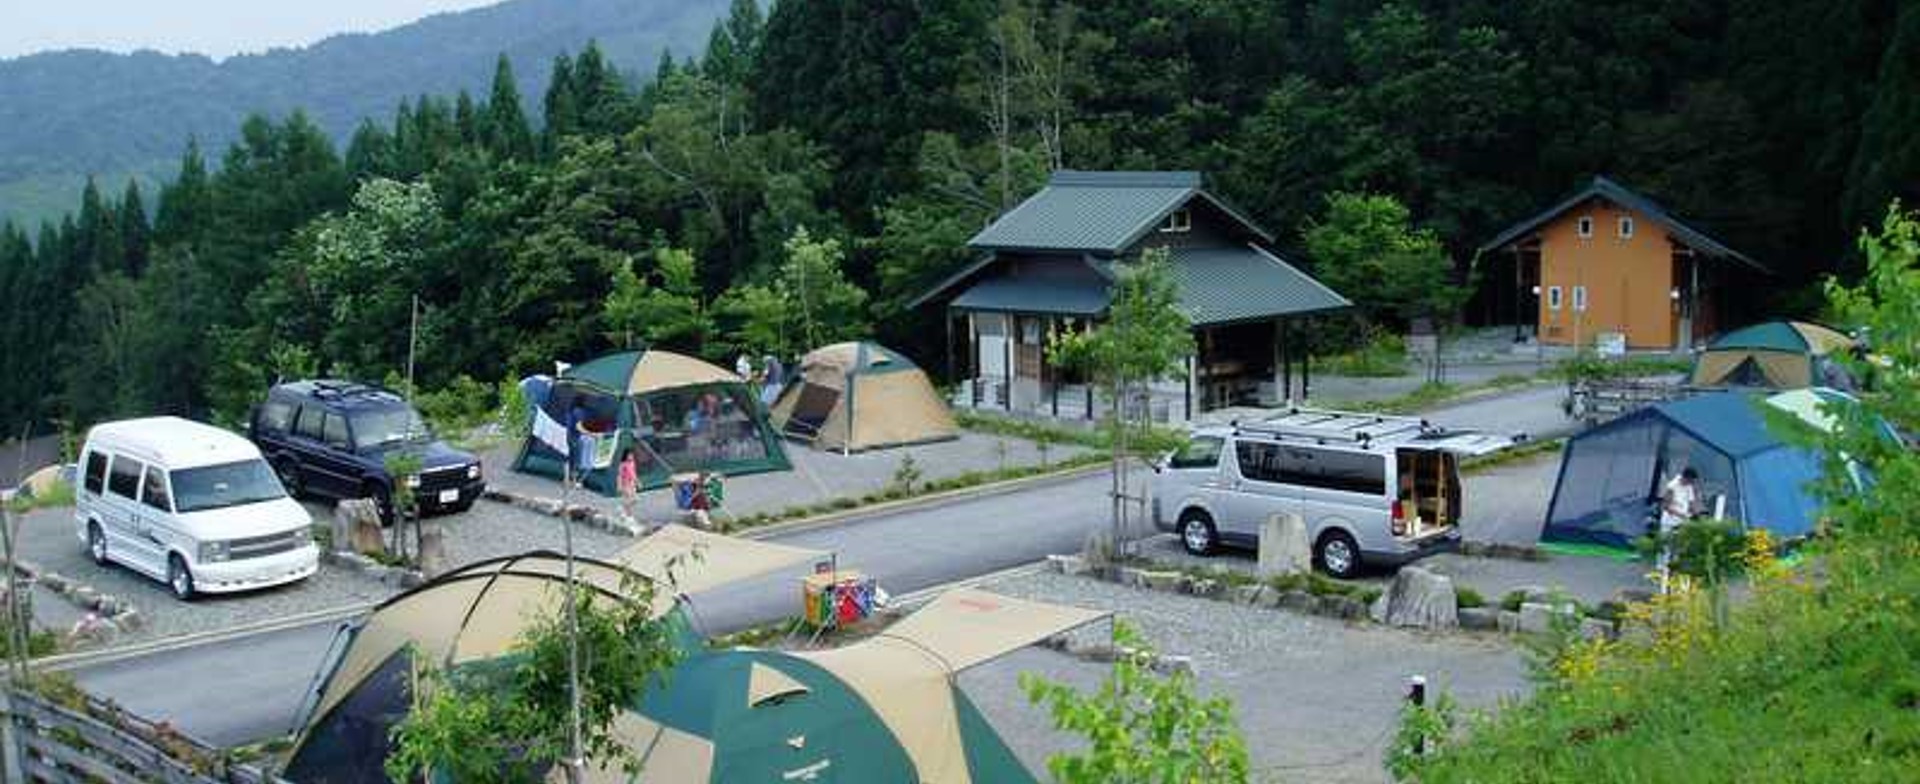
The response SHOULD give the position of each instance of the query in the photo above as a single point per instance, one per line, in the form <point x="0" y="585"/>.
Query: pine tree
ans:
<point x="135" y="233"/>
<point x="370" y="152"/>
<point x="184" y="203"/>
<point x="1886" y="165"/>
<point x="745" y="25"/>
<point x="505" y="126"/>
<point x="562" y="108"/>
<point x="466" y="120"/>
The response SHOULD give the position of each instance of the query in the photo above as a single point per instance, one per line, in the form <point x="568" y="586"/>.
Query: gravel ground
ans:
<point x="48" y="541"/>
<point x="491" y="530"/>
<point x="816" y="476"/>
<point x="1317" y="698"/>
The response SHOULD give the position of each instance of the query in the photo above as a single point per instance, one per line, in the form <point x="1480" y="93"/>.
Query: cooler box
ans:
<point x="697" y="491"/>
<point x="836" y="598"/>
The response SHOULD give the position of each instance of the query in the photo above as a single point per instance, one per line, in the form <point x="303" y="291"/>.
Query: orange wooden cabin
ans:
<point x="1608" y="261"/>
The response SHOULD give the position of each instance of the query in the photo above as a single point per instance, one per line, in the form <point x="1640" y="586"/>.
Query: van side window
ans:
<point x="276" y="416"/>
<point x="308" y="425"/>
<point x="1258" y="461"/>
<point x="1202" y="452"/>
<point x="153" y="492"/>
<point x="124" y="479"/>
<point x="1353" y="472"/>
<point x="96" y="472"/>
<point x="336" y="432"/>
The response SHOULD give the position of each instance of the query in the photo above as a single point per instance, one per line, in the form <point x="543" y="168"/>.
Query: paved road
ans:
<point x="1534" y="410"/>
<point x="244" y="690"/>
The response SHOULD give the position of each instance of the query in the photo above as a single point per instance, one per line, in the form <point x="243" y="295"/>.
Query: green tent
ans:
<point x="674" y="413"/>
<point x="1776" y="354"/>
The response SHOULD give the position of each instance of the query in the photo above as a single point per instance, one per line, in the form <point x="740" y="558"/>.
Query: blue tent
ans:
<point x="1610" y="476"/>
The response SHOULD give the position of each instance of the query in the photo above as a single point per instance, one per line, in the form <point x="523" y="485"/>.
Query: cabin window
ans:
<point x="1584" y="226"/>
<point x="1180" y="221"/>
<point x="1553" y="297"/>
<point x="1626" y="227"/>
<point x="1580" y="298"/>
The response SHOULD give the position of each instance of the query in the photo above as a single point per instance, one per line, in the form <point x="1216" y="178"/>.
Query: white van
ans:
<point x="1372" y="489"/>
<point x="189" y="504"/>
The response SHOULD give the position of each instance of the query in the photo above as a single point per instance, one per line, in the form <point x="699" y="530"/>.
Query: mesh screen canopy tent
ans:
<point x="857" y="396"/>
<point x="1775" y="354"/>
<point x="673" y="413"/>
<point x="1611" y="476"/>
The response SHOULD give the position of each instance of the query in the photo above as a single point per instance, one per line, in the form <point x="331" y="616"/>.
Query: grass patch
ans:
<point x="58" y="494"/>
<point x="1589" y="366"/>
<point x="1516" y="454"/>
<point x="1382" y="356"/>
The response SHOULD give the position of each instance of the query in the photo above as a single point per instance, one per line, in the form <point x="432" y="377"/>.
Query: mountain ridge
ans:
<point x="71" y="113"/>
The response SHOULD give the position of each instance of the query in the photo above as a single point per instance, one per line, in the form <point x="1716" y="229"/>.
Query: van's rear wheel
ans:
<point x="1197" y="533"/>
<point x="1337" y="554"/>
<point x="179" y="578"/>
<point x="96" y="543"/>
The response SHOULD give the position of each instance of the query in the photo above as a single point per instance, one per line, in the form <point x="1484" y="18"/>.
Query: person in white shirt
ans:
<point x="743" y="367"/>
<point x="1679" y="502"/>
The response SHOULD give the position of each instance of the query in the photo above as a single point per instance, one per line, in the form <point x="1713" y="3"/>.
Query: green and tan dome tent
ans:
<point x="886" y="710"/>
<point x="475" y="615"/>
<point x="674" y="413"/>
<point x="851" y="397"/>
<point x="1777" y="354"/>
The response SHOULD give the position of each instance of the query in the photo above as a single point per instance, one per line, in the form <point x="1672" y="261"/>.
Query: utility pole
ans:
<point x="413" y="335"/>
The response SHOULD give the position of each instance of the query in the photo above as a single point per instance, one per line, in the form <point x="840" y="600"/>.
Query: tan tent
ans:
<point x="856" y="396"/>
<point x="1777" y="354"/>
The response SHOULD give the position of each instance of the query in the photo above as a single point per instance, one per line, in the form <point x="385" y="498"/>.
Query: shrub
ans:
<point x="1382" y="354"/>
<point x="1467" y="598"/>
<point x="461" y="406"/>
<point x="1512" y="601"/>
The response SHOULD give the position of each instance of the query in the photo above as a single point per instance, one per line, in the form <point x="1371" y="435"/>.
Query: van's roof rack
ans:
<point x="1325" y="426"/>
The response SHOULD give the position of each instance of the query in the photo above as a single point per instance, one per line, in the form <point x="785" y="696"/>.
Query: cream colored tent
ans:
<point x="856" y="396"/>
<point x="477" y="613"/>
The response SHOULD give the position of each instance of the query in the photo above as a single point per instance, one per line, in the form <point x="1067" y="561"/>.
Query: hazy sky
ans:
<point x="217" y="28"/>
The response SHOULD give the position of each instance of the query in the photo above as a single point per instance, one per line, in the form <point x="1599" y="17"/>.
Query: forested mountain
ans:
<point x="67" y="114"/>
<point x="819" y="167"/>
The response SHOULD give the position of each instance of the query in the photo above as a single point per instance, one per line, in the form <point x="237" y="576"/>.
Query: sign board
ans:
<point x="1610" y="344"/>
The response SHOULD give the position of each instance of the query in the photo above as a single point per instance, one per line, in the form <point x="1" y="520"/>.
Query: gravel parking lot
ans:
<point x="1317" y="698"/>
<point x="47" y="540"/>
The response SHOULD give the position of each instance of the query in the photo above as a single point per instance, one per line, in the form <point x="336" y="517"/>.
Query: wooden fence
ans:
<point x="55" y="744"/>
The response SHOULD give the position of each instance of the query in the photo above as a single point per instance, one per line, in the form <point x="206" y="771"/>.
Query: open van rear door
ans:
<point x="1467" y="443"/>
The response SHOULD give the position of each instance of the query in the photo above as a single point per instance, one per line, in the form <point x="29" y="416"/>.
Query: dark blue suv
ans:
<point x="332" y="439"/>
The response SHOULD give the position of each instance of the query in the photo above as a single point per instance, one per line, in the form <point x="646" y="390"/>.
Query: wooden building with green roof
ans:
<point x="1048" y="265"/>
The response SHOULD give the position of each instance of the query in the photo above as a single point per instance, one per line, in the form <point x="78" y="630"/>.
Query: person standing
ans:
<point x="743" y="367"/>
<point x="629" y="484"/>
<point x="1679" y="503"/>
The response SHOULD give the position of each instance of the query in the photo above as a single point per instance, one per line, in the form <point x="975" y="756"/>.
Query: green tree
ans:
<point x="506" y="131"/>
<point x="758" y="320"/>
<point x="827" y="307"/>
<point x="136" y="235"/>
<point x="1142" y="727"/>
<point x="662" y="307"/>
<point x="357" y="274"/>
<point x="1367" y="248"/>
<point x="507" y="721"/>
<point x="1144" y="338"/>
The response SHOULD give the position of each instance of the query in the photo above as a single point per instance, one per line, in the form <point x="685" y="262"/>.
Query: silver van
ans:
<point x="191" y="505"/>
<point x="1372" y="489"/>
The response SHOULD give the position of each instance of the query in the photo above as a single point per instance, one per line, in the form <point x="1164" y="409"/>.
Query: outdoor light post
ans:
<point x="575" y="762"/>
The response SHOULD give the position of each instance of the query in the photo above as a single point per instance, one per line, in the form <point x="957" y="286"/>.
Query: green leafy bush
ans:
<point x="1467" y="598"/>
<point x="1382" y="354"/>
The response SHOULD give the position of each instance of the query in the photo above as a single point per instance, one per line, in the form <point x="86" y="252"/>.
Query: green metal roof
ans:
<point x="1220" y="285"/>
<point x="1074" y="297"/>
<point x="1604" y="188"/>
<point x="1100" y="212"/>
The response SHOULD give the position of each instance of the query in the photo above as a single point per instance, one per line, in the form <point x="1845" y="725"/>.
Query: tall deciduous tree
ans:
<point x="1145" y="337"/>
<point x="661" y="306"/>
<point x="1367" y="248"/>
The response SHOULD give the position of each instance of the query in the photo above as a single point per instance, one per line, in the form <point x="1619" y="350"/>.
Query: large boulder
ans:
<point x="1284" y="549"/>
<point x="356" y="524"/>
<point x="1418" y="597"/>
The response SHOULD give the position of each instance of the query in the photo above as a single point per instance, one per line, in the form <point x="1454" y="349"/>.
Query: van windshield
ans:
<point x="380" y="427"/>
<point x="224" y="485"/>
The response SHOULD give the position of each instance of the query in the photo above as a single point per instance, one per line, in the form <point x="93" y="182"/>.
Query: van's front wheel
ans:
<point x="179" y="578"/>
<point x="97" y="543"/>
<point x="1197" y="533"/>
<point x="1338" y="555"/>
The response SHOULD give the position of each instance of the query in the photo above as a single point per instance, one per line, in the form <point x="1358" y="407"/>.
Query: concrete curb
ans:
<point x="581" y="513"/>
<point x="80" y="659"/>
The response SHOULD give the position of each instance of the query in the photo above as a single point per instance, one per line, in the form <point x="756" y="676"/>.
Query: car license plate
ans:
<point x="450" y="496"/>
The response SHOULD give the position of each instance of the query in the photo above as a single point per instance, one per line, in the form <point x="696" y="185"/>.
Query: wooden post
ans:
<point x="1012" y="323"/>
<point x="973" y="358"/>
<point x="1306" y="374"/>
<point x="1286" y="362"/>
<point x="949" y="325"/>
